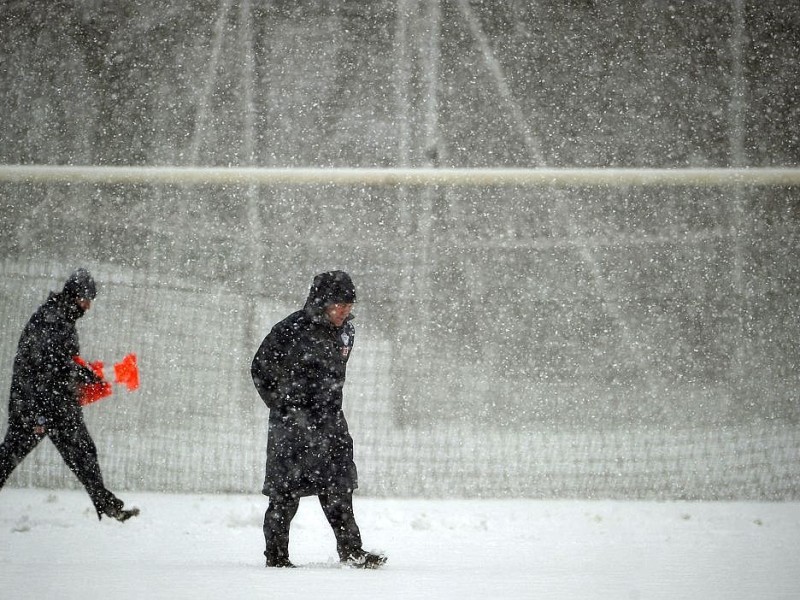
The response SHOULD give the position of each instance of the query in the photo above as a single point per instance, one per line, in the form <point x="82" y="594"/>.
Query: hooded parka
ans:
<point x="299" y="372"/>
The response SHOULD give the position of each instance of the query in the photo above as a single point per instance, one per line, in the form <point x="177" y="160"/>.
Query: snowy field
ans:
<point x="52" y="546"/>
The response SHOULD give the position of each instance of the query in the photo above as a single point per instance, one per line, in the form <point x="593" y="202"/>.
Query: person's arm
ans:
<point x="63" y="351"/>
<point x="267" y="369"/>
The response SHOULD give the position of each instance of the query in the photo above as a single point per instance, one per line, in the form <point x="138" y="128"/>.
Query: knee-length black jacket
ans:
<point x="299" y="372"/>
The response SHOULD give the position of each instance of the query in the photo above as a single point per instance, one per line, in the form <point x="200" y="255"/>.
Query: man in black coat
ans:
<point x="299" y="372"/>
<point x="45" y="393"/>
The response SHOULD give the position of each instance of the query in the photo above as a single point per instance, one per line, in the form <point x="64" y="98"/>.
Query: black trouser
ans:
<point x="73" y="442"/>
<point x="338" y="509"/>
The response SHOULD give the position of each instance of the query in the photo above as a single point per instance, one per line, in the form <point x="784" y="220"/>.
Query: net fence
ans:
<point x="579" y="341"/>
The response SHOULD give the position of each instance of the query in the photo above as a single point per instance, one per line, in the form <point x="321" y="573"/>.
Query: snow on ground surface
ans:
<point x="183" y="546"/>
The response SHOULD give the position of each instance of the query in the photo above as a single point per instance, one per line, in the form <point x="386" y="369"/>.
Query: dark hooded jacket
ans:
<point x="45" y="379"/>
<point x="299" y="372"/>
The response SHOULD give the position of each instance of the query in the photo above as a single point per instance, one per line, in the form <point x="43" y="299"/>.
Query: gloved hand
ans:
<point x="99" y="389"/>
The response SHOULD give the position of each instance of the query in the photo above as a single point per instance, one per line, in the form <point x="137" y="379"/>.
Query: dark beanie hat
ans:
<point x="332" y="287"/>
<point x="80" y="285"/>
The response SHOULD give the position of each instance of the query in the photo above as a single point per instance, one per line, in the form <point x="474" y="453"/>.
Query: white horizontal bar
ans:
<point x="398" y="177"/>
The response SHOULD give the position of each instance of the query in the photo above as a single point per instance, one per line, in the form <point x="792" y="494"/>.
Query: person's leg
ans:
<point x="338" y="509"/>
<point x="21" y="438"/>
<point x="73" y="442"/>
<point x="277" y="520"/>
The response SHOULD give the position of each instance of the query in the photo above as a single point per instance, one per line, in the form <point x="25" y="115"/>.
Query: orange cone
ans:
<point x="126" y="372"/>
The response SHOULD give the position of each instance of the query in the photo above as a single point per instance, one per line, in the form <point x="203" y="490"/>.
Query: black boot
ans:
<point x="278" y="560"/>
<point x="113" y="508"/>
<point x="121" y="514"/>
<point x="361" y="559"/>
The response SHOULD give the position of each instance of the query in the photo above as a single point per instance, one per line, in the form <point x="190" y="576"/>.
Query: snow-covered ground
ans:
<point x="52" y="546"/>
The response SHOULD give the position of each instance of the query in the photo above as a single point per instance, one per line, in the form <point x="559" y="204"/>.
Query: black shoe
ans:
<point x="280" y="563"/>
<point x="360" y="559"/>
<point x="115" y="511"/>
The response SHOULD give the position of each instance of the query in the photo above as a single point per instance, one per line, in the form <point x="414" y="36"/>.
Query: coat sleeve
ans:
<point x="63" y="349"/>
<point x="268" y="366"/>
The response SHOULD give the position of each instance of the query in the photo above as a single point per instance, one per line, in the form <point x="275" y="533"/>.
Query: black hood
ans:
<point x="80" y="285"/>
<point x="332" y="287"/>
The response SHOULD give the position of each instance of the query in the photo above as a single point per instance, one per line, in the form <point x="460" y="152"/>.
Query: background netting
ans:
<point x="574" y="341"/>
<point x="586" y="342"/>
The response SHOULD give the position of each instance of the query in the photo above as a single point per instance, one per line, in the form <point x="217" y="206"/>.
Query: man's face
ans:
<point x="84" y="303"/>
<point x="338" y="313"/>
